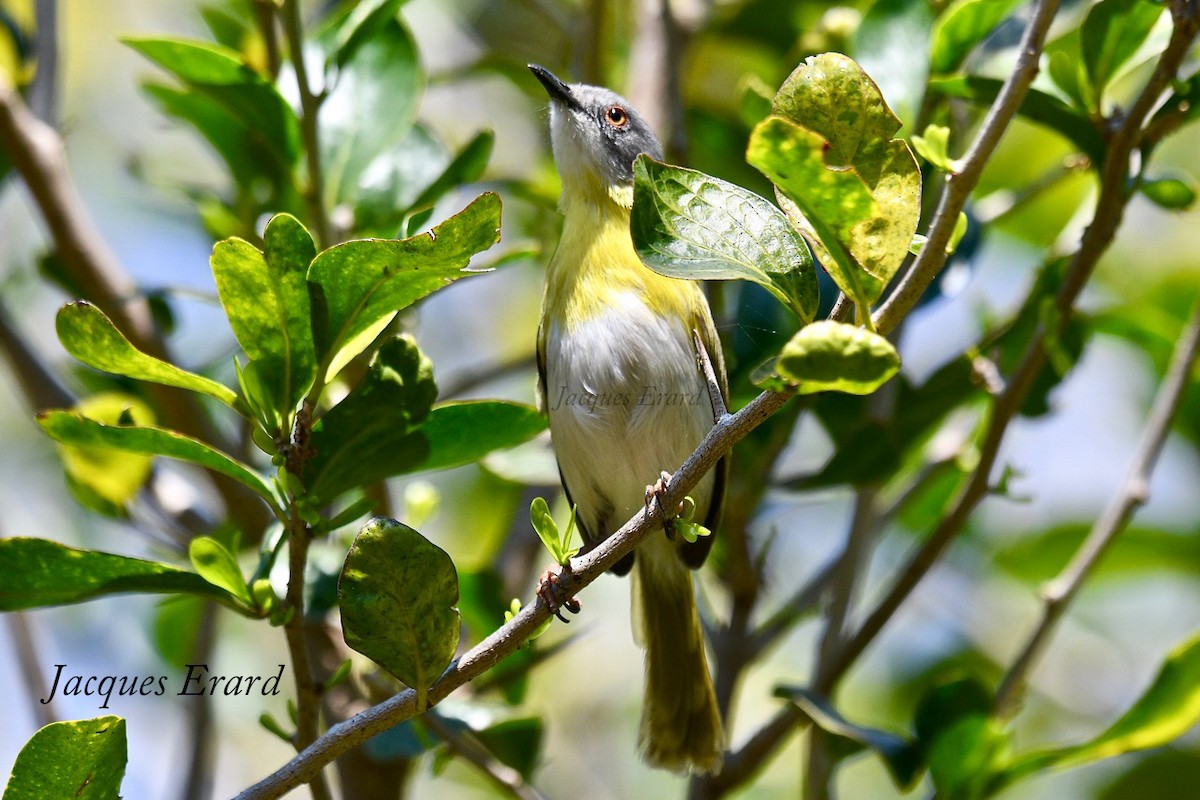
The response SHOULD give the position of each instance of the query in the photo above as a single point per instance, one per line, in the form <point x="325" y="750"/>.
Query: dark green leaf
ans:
<point x="1168" y="709"/>
<point x="1037" y="106"/>
<point x="39" y="572"/>
<point x="963" y="745"/>
<point x="397" y="595"/>
<point x="357" y="285"/>
<point x="249" y="161"/>
<point x="455" y="434"/>
<point x="213" y="562"/>
<point x="220" y="74"/>
<point x="225" y="28"/>
<point x="71" y="428"/>
<point x="265" y="296"/>
<point x="371" y="108"/>
<point x="466" y="167"/>
<point x="962" y="26"/>
<point x="515" y="742"/>
<point x="901" y="756"/>
<point x="80" y="760"/>
<point x="177" y="627"/>
<point x="1112" y="32"/>
<point x="833" y="356"/>
<point x="1169" y="193"/>
<point x="686" y="224"/>
<point x="88" y="335"/>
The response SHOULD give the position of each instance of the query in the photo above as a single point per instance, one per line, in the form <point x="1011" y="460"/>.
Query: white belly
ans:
<point x="626" y="401"/>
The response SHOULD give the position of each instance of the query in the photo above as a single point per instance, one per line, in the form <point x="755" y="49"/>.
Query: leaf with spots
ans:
<point x="397" y="594"/>
<point x="82" y="759"/>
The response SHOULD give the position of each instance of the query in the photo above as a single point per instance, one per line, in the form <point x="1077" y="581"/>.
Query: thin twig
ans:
<point x="310" y="109"/>
<point x="1134" y="492"/>
<point x="43" y="91"/>
<point x="713" y="383"/>
<point x="463" y="743"/>
<point x="308" y="691"/>
<point x="25" y="649"/>
<point x="264" y="15"/>
<point x="960" y="185"/>
<point x="505" y="641"/>
<point x="197" y="782"/>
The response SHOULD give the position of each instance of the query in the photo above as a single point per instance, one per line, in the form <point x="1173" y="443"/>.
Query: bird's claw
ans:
<point x="547" y="587"/>
<point x="655" y="493"/>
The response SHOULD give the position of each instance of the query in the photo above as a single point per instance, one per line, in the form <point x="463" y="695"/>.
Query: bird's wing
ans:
<point x="694" y="553"/>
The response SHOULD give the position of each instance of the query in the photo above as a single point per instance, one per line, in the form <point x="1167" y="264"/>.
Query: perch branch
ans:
<point x="505" y="641"/>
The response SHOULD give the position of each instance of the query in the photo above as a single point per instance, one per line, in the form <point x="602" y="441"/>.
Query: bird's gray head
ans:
<point x="596" y="135"/>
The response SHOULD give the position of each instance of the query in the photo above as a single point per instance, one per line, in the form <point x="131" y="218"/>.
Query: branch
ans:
<point x="960" y="185"/>
<point x="310" y="107"/>
<point x="1099" y="234"/>
<point x="24" y="648"/>
<point x="505" y="641"/>
<point x="1096" y="239"/>
<point x="1133" y="493"/>
<point x="36" y="151"/>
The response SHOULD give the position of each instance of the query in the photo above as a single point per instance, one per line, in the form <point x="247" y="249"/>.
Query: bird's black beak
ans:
<point x="554" y="87"/>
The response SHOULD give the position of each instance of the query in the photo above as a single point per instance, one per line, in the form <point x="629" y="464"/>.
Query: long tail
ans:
<point x="681" y="726"/>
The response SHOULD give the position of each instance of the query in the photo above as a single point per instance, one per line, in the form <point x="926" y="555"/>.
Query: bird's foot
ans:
<point x="549" y="585"/>
<point x="655" y="494"/>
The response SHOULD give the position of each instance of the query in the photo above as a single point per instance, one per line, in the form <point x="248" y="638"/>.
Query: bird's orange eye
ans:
<point x="617" y="117"/>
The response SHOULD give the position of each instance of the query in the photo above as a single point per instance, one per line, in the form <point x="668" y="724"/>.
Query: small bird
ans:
<point x="627" y="398"/>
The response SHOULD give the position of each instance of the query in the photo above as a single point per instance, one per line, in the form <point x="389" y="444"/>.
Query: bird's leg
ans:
<point x="655" y="494"/>
<point x="549" y="585"/>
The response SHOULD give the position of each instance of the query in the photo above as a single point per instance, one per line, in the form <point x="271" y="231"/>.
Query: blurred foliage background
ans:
<point x="161" y="196"/>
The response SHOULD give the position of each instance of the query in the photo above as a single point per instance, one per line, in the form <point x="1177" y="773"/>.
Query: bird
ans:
<point x="621" y="379"/>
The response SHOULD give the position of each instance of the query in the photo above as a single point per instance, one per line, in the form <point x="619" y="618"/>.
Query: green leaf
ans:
<point x="1169" y="193"/>
<point x="516" y="743"/>
<point x="394" y="398"/>
<point x="74" y="429"/>
<point x="852" y="189"/>
<point x="39" y="572"/>
<point x="213" y="562"/>
<point x="453" y="435"/>
<point x="220" y="74"/>
<point x="901" y="756"/>
<point x="466" y="167"/>
<point x="361" y="25"/>
<point x="265" y="296"/>
<point x="965" y="747"/>
<point x="358" y="285"/>
<point x="394" y="181"/>
<point x="556" y="541"/>
<point x="686" y="224"/>
<point x="833" y="356"/>
<point x="964" y="24"/>
<point x="113" y="477"/>
<point x="934" y="147"/>
<point x="81" y="760"/>
<point x="371" y="108"/>
<point x="1112" y="32"/>
<point x="88" y="335"/>
<point x="251" y="163"/>
<point x="397" y="594"/>
<point x="1037" y="106"/>
<point x="1168" y="709"/>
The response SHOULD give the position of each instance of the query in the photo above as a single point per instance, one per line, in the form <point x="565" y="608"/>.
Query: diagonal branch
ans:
<point x="505" y="641"/>
<point x="1134" y="492"/>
